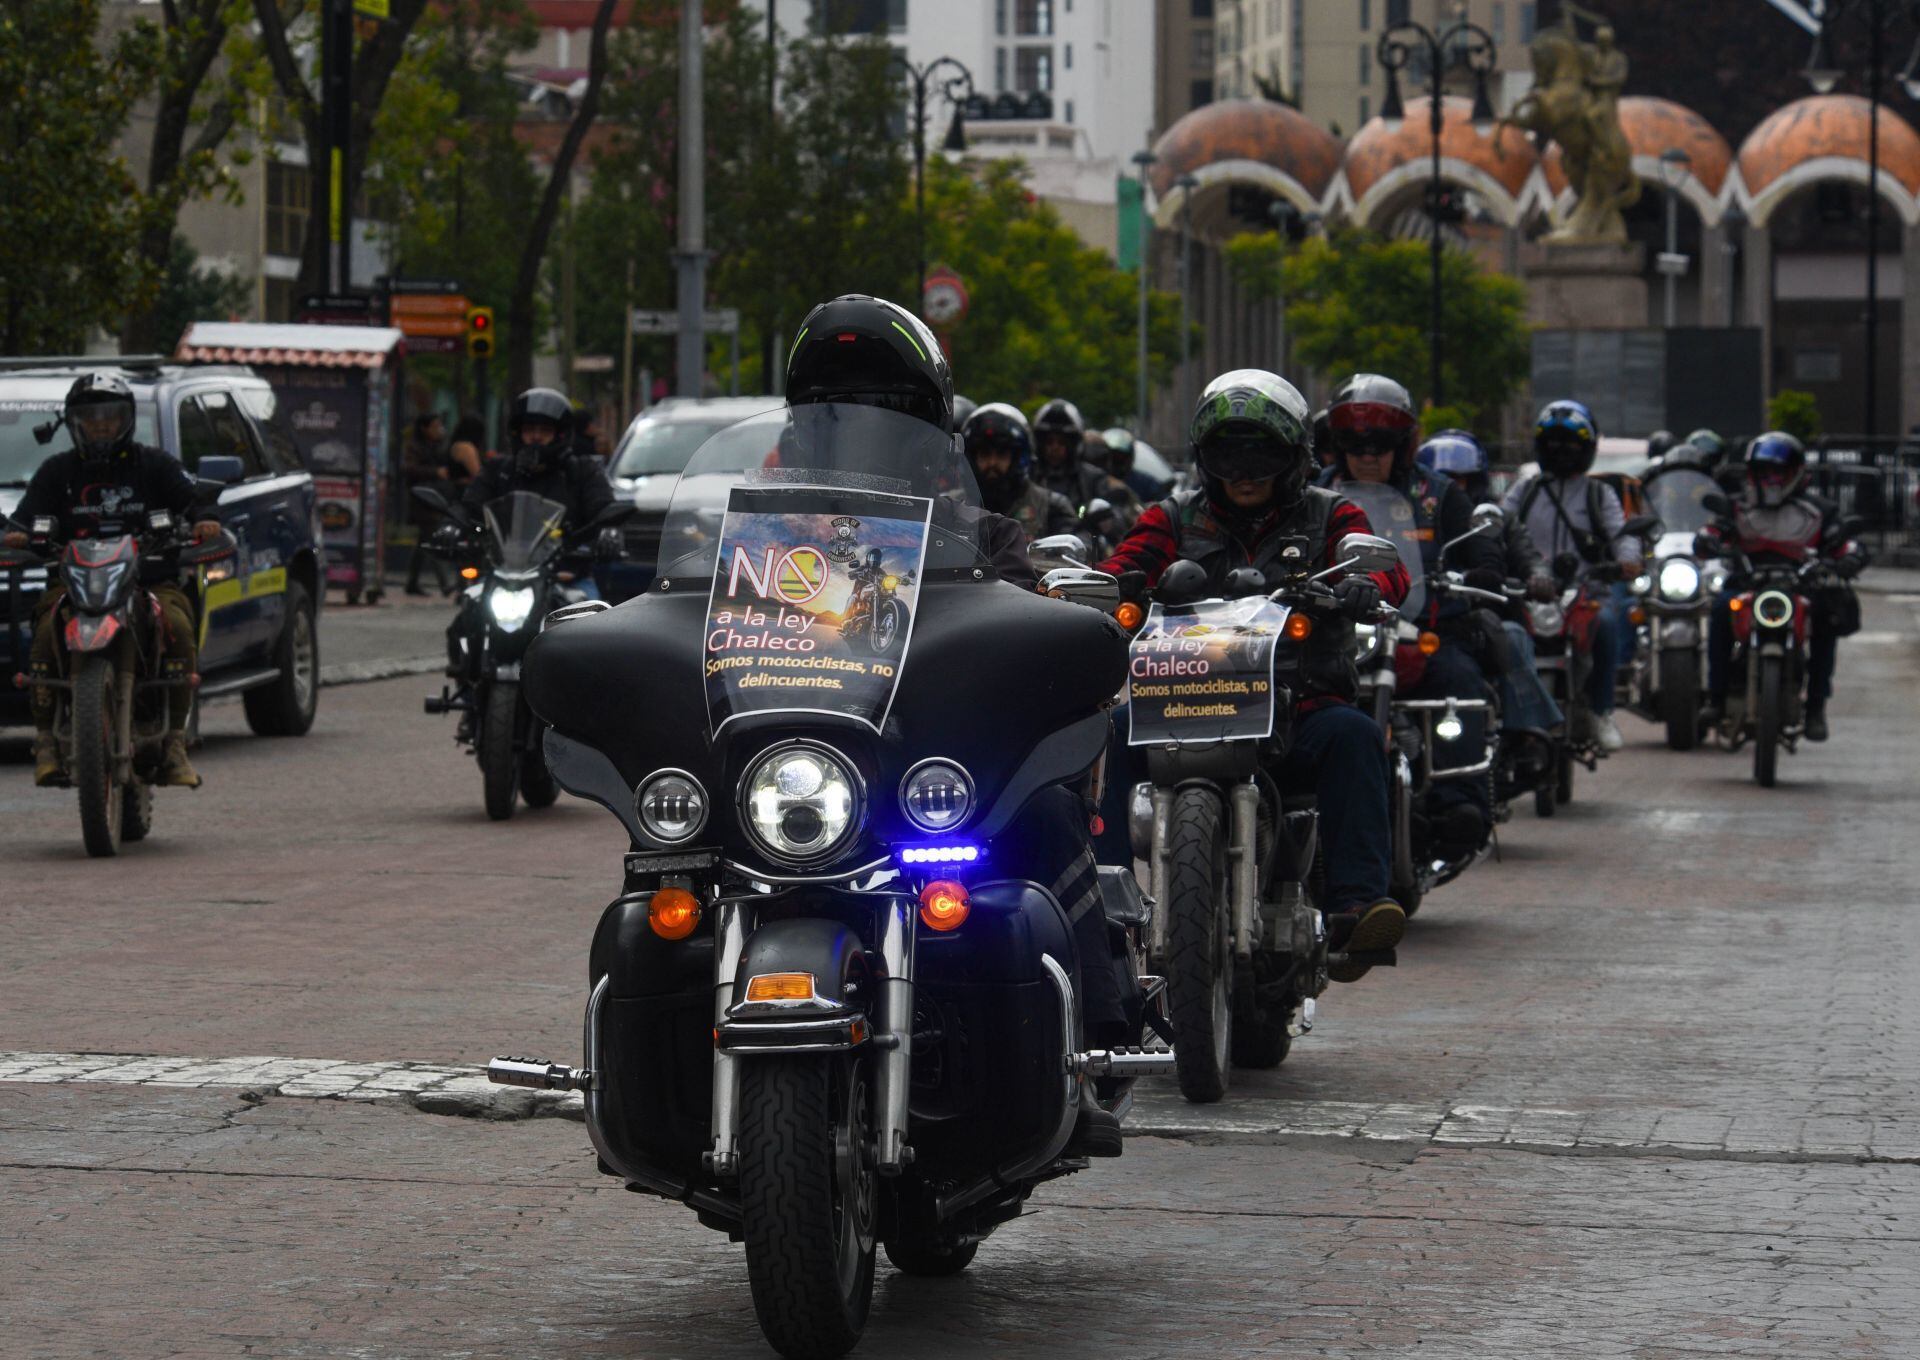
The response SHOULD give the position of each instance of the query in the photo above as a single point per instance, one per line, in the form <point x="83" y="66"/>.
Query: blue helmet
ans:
<point x="1565" y="438"/>
<point x="1776" y="468"/>
<point x="1455" y="452"/>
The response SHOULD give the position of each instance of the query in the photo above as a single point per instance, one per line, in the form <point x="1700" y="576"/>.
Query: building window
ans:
<point x="1066" y="60"/>
<point x="1069" y="119"/>
<point x="1203" y="49"/>
<point x="1366" y="64"/>
<point x="1528" y="17"/>
<point x="1033" y="18"/>
<point x="1033" y="69"/>
<point x="1200" y="93"/>
<point x="1000" y="18"/>
<point x="1366" y="112"/>
<point x="999" y="69"/>
<point x="1202" y="9"/>
<point x="288" y="207"/>
<point x="1499" y="21"/>
<point x="1366" y="16"/>
<point x="1396" y="12"/>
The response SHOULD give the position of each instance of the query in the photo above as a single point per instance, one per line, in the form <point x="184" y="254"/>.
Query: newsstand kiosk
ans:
<point x="340" y="388"/>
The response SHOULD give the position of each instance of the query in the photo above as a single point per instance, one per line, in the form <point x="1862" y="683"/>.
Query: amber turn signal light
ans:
<point x="944" y="905"/>
<point x="1429" y="643"/>
<point x="1736" y="604"/>
<point x="781" y="987"/>
<point x="469" y="573"/>
<point x="1299" y="627"/>
<point x="1129" y="615"/>
<point x="673" y="913"/>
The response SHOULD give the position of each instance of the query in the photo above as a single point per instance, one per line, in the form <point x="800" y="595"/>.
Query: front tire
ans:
<point x="888" y="623"/>
<point x="1563" y="785"/>
<point x="1199" y="953"/>
<point x="807" y="1200"/>
<point x="96" y="721"/>
<point x="1680" y="697"/>
<point x="499" y="752"/>
<point x="1766" y="738"/>
<point x="286" y="707"/>
<point x="136" y="812"/>
<point x="537" y="786"/>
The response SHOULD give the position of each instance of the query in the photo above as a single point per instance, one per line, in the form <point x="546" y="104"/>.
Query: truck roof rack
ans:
<point x="143" y="361"/>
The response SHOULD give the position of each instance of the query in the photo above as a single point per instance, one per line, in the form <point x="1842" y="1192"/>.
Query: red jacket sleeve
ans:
<point x="1349" y="518"/>
<point x="1150" y="546"/>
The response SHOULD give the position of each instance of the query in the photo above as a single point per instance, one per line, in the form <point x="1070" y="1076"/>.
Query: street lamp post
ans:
<point x="1184" y="394"/>
<point x="1461" y="43"/>
<point x="1823" y="73"/>
<point x="1141" y="160"/>
<point x="956" y="88"/>
<point x="1674" y="165"/>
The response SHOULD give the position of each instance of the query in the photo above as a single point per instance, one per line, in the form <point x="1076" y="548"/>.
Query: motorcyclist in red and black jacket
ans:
<point x="1251" y="442"/>
<point x="1777" y="520"/>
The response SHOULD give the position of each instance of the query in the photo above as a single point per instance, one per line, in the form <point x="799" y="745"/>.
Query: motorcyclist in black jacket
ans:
<point x="107" y="483"/>
<point x="867" y="351"/>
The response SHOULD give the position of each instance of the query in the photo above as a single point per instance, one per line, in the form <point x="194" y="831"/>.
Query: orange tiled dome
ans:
<point x="1257" y="130"/>
<point x="1502" y="160"/>
<point x="1788" y="149"/>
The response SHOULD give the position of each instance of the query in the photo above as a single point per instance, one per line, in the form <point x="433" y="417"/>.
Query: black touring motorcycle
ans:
<point x="510" y="565"/>
<point x="825" y="1013"/>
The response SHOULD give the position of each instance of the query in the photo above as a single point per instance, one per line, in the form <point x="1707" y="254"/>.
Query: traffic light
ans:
<point x="480" y="332"/>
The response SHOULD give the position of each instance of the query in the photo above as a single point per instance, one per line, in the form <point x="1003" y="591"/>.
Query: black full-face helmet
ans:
<point x="539" y="408"/>
<point x="1249" y="426"/>
<point x="1060" y="420"/>
<point x="999" y="428"/>
<point x="870" y="352"/>
<point x="100" y="416"/>
<point x="1566" y="439"/>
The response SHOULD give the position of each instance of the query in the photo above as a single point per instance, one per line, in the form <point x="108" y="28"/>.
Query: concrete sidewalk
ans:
<point x="402" y="635"/>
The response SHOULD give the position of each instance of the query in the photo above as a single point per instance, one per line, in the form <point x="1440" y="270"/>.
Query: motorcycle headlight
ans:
<point x="800" y="801"/>
<point x="1547" y="617"/>
<point x="936" y="795"/>
<point x="671" y="805"/>
<point x="95" y="587"/>
<point x="510" y="607"/>
<point x="1679" y="579"/>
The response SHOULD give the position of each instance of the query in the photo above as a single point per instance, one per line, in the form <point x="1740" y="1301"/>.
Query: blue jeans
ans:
<point x="1338" y="753"/>
<point x="1606" y="656"/>
<point x="1524" y="700"/>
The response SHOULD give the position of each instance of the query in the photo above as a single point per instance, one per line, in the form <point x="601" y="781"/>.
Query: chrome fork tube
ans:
<point x="1157" y="872"/>
<point x="1244" y="856"/>
<point x="894" y="1026"/>
<point x="729" y="942"/>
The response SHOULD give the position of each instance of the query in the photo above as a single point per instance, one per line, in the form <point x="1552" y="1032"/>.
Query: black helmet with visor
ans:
<point x="99" y="414"/>
<point x="1252" y="426"/>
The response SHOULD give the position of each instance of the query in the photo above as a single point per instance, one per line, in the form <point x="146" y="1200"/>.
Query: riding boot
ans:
<point x="48" y="772"/>
<point x="176" y="771"/>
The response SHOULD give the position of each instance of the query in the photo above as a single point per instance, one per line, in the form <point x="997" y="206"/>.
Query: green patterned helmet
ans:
<point x="1252" y="425"/>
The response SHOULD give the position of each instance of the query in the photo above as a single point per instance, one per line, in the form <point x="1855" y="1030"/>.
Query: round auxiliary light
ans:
<point x="671" y="805"/>
<point x="936" y="795"/>
<point x="1772" y="609"/>
<point x="799" y="802"/>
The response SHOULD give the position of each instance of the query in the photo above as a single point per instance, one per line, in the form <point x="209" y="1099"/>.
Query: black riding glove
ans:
<point x="1359" y="596"/>
<point x="1487" y="579"/>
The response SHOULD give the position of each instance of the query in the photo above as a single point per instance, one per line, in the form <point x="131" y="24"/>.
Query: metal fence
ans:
<point x="1878" y="482"/>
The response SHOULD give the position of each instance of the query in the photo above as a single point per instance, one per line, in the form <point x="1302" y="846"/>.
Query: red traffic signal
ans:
<point x="480" y="332"/>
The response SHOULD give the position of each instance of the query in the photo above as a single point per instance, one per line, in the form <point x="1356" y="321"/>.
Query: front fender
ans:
<point x="832" y="1013"/>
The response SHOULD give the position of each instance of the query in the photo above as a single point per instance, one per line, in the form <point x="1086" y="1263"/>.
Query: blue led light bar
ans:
<point x="938" y="854"/>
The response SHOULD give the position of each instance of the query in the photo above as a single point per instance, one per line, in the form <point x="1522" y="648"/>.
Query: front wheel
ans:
<point x="96" y="723"/>
<point x="286" y="707"/>
<point x="1680" y="697"/>
<point x="886" y="627"/>
<point x="1199" y="951"/>
<point x="807" y="1200"/>
<point x="499" y="751"/>
<point x="1766" y="737"/>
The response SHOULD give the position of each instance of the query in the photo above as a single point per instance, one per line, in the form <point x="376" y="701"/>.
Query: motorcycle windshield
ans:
<point x="1676" y="498"/>
<point x="523" y="530"/>
<point x="813" y="533"/>
<point x="1392" y="517"/>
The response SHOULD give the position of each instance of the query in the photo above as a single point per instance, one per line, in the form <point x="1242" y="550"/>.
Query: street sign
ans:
<point x="335" y="309"/>
<point x="593" y="363"/>
<point x="725" y="321"/>
<point x="944" y="302"/>
<point x="398" y="286"/>
<point x="433" y="344"/>
<point x="440" y="315"/>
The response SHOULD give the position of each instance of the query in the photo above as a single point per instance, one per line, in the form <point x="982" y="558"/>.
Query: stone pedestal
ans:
<point x="1587" y="288"/>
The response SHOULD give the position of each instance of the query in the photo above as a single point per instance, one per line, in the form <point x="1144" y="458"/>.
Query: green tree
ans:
<point x="1795" y="412"/>
<point x="1048" y="315"/>
<point x="189" y="293"/>
<point x="70" y="216"/>
<point x="1359" y="303"/>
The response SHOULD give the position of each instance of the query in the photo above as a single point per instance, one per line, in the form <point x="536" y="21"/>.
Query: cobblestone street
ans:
<point x="1647" y="1087"/>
